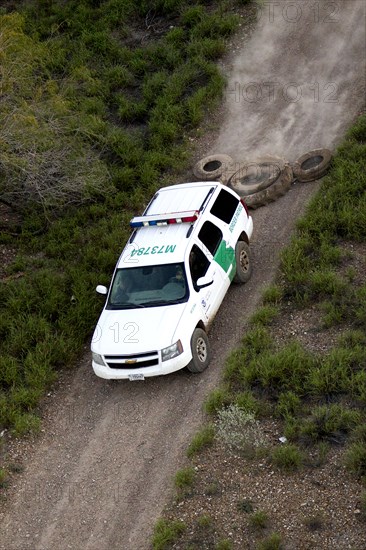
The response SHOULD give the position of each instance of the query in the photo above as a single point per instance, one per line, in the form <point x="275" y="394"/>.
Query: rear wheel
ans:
<point x="200" y="351"/>
<point x="243" y="262"/>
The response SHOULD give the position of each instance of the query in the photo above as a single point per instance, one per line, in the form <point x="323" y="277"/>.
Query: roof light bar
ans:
<point x="165" y="219"/>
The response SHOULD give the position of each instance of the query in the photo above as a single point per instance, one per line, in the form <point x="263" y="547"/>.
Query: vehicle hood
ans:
<point x="136" y="330"/>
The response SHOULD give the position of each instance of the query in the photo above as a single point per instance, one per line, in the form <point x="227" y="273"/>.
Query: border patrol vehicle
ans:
<point x="191" y="242"/>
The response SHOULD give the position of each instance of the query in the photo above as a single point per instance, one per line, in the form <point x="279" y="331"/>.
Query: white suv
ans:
<point x="190" y="243"/>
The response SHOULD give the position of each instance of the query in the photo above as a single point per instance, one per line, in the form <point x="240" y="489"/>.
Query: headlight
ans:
<point x="98" y="358"/>
<point x="171" y="351"/>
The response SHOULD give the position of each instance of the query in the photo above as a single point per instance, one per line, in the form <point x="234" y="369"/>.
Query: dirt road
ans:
<point x="102" y="470"/>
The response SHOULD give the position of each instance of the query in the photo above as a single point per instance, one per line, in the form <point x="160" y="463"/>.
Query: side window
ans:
<point x="198" y="264"/>
<point x="211" y="236"/>
<point x="224" y="206"/>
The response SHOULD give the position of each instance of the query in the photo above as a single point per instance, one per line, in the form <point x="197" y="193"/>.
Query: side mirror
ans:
<point x="204" y="281"/>
<point x="101" y="289"/>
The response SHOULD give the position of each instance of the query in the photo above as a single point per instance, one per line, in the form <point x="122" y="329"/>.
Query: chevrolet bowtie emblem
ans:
<point x="131" y="361"/>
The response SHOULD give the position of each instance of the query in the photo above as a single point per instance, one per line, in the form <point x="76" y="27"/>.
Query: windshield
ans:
<point x="148" y="286"/>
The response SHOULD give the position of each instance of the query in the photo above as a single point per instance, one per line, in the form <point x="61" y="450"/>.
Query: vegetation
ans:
<point x="166" y="532"/>
<point x="3" y="476"/>
<point x="287" y="458"/>
<point x="319" y="397"/>
<point x="238" y="429"/>
<point x="245" y="506"/>
<point x="297" y="384"/>
<point x="98" y="102"/>
<point x="203" y="439"/>
<point x="273" y="542"/>
<point x="259" y="520"/>
<point x="184" y="478"/>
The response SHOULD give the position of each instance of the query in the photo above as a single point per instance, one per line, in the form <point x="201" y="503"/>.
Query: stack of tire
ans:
<point x="264" y="179"/>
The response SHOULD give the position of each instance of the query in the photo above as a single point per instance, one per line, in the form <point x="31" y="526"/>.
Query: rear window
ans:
<point x="225" y="206"/>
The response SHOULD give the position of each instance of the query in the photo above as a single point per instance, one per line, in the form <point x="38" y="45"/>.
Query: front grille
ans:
<point x="138" y="365"/>
<point x="147" y="359"/>
<point x="134" y="356"/>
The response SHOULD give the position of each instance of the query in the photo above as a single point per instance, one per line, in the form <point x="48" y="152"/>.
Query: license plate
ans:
<point x="136" y="376"/>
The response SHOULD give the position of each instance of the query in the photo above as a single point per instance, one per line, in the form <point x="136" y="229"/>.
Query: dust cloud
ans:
<point x="298" y="82"/>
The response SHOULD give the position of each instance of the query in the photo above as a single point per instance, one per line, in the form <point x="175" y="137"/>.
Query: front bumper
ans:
<point x="160" y="369"/>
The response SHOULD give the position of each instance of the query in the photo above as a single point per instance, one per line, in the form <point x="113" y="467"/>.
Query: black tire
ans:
<point x="201" y="354"/>
<point x="257" y="175"/>
<point x="214" y="167"/>
<point x="243" y="262"/>
<point x="273" y="192"/>
<point x="269" y="184"/>
<point x="312" y="165"/>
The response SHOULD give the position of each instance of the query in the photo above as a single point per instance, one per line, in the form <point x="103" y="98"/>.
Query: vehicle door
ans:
<point x="227" y="210"/>
<point x="202" y="264"/>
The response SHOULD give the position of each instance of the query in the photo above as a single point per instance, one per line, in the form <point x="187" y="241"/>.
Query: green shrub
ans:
<point x="185" y="477"/>
<point x="224" y="544"/>
<point x="234" y="364"/>
<point x="334" y="314"/>
<point x="204" y="438"/>
<point x="256" y="341"/>
<point x="9" y="372"/>
<point x="167" y="532"/>
<point x="325" y="282"/>
<point x="264" y="315"/>
<point x="272" y="542"/>
<point x="259" y="520"/>
<point x="204" y="521"/>
<point x="330" y="422"/>
<point x="289" y="405"/>
<point x="215" y="25"/>
<point x="26" y="422"/>
<point x="193" y="15"/>
<point x="359" y="433"/>
<point x="208" y="48"/>
<point x="352" y="338"/>
<point x="245" y="400"/>
<point x="355" y="459"/>
<point x="272" y="295"/>
<point x="332" y="375"/>
<point x="291" y="428"/>
<point x="3" y="476"/>
<point x="218" y="398"/>
<point x="285" y="369"/>
<point x="245" y="505"/>
<point x="287" y="457"/>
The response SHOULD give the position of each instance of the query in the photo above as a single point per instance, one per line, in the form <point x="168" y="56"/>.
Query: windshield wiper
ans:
<point x="126" y="305"/>
<point x="163" y="302"/>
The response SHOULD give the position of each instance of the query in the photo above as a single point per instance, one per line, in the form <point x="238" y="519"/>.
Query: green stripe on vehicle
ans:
<point x="225" y="257"/>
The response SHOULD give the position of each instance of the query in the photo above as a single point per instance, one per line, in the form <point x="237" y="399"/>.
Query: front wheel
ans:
<point x="200" y="348"/>
<point x="243" y="262"/>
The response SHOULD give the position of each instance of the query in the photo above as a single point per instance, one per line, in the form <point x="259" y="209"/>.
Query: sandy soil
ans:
<point x="100" y="474"/>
